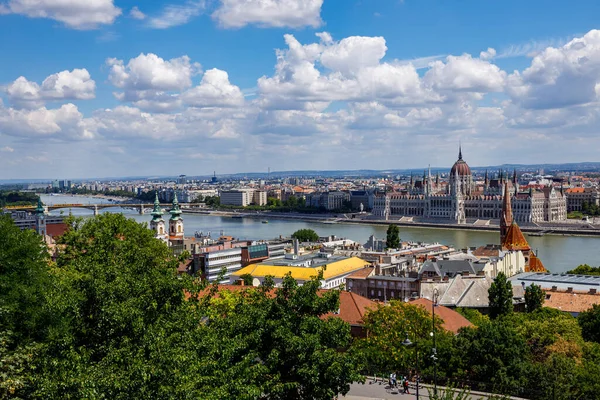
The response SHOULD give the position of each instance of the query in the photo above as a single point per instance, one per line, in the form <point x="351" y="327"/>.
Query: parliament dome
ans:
<point x="460" y="167"/>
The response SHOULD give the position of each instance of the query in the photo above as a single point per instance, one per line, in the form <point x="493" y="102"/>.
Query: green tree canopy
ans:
<point x="305" y="235"/>
<point x="500" y="296"/>
<point x="534" y="297"/>
<point x="590" y="323"/>
<point x="393" y="237"/>
<point x="585" y="269"/>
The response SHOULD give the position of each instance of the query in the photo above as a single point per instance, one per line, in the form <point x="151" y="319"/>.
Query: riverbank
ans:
<point x="333" y="219"/>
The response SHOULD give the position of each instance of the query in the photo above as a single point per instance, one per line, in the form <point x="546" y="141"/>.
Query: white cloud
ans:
<point x="65" y="122"/>
<point x="351" y="54"/>
<point x="76" y="14"/>
<point x="215" y="90"/>
<point x="135" y="13"/>
<point x="65" y="85"/>
<point x="148" y="80"/>
<point x="7" y="149"/>
<point x="269" y="13"/>
<point x="177" y="14"/>
<point x="488" y="54"/>
<point x="560" y="77"/>
<point x="465" y="73"/>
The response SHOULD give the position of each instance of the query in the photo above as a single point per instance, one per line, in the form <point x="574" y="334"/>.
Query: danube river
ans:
<point x="559" y="253"/>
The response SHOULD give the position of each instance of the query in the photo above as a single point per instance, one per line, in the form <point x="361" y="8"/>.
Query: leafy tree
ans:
<point x="393" y="237"/>
<point x="534" y="297"/>
<point x="492" y="357"/>
<point x="589" y="321"/>
<point x="305" y="235"/>
<point x="212" y="201"/>
<point x="247" y="279"/>
<point x="585" y="269"/>
<point x="474" y="316"/>
<point x="388" y="326"/>
<point x="500" y="296"/>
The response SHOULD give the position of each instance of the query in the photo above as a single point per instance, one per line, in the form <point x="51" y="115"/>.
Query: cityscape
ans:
<point x="367" y="218"/>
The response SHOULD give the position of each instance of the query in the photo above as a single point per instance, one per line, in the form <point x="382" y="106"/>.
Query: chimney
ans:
<point x="569" y="290"/>
<point x="240" y="282"/>
<point x="592" y="291"/>
<point x="554" y="288"/>
<point x="377" y="269"/>
<point x="296" y="247"/>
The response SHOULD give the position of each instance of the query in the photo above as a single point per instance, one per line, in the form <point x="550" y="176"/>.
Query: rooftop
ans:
<point x="451" y="320"/>
<point x="561" y="281"/>
<point x="331" y="267"/>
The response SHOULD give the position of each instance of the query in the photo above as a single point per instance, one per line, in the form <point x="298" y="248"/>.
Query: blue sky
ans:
<point x="110" y="87"/>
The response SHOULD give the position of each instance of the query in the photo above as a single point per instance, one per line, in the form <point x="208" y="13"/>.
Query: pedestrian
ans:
<point x="406" y="385"/>
<point x="394" y="382"/>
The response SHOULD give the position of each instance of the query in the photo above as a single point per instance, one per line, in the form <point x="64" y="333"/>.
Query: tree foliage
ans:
<point x="585" y="269"/>
<point x="305" y="235"/>
<point x="393" y="237"/>
<point x="111" y="319"/>
<point x="500" y="296"/>
<point x="590" y="323"/>
<point x="534" y="297"/>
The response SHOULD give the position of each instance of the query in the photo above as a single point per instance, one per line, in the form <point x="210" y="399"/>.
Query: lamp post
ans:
<point x="436" y="295"/>
<point x="407" y="342"/>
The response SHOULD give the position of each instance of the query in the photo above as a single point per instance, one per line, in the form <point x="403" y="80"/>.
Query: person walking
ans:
<point x="405" y="384"/>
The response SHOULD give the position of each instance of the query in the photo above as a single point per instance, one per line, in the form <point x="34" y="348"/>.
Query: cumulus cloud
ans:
<point x="148" y="80"/>
<point x="488" y="54"/>
<point x="177" y="14"/>
<point x="7" y="149"/>
<point x="65" y="85"/>
<point x="65" y="122"/>
<point x="269" y="13"/>
<point x="214" y="90"/>
<point x="465" y="73"/>
<point x="76" y="14"/>
<point x="560" y="77"/>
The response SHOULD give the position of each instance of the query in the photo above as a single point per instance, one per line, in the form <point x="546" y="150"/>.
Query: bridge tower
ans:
<point x="157" y="224"/>
<point x="95" y="210"/>
<point x="176" y="222"/>
<point x="40" y="218"/>
<point x="141" y="209"/>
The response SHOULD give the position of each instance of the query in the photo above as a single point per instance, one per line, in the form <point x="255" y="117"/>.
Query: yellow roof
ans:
<point x="333" y="269"/>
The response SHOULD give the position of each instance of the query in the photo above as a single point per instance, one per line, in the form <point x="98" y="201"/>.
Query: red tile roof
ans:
<point x="362" y="273"/>
<point x="452" y="321"/>
<point x="574" y="302"/>
<point x="56" y="230"/>
<point x="535" y="265"/>
<point x="514" y="239"/>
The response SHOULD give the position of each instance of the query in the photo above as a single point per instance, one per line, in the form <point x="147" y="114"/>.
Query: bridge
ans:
<point x="97" y="207"/>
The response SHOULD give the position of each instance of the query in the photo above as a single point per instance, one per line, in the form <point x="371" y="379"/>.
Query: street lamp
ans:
<point x="436" y="295"/>
<point x="407" y="342"/>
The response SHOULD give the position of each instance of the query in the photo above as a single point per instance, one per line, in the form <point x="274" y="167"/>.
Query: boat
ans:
<point x="237" y="217"/>
<point x="265" y="221"/>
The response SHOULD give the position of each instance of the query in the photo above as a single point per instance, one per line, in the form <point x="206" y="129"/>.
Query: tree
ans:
<point x="585" y="269"/>
<point x="534" y="297"/>
<point x="393" y="237"/>
<point x="500" y="296"/>
<point x="590" y="323"/>
<point x="305" y="235"/>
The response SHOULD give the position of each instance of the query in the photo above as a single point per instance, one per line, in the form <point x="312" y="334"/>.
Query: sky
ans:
<point x="99" y="88"/>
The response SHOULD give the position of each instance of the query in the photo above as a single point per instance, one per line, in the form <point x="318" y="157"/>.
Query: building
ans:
<point x="157" y="224"/>
<point x="303" y="268"/>
<point x="451" y="320"/>
<point x="576" y="197"/>
<point x="213" y="261"/>
<point x="461" y="201"/>
<point x="361" y="200"/>
<point x="243" y="197"/>
<point x="381" y="287"/>
<point x="176" y="231"/>
<point x="330" y="201"/>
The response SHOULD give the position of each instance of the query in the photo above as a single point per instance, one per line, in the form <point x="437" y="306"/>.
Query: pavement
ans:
<point x="381" y="391"/>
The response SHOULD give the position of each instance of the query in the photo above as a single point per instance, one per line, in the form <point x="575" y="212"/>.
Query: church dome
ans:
<point x="460" y="167"/>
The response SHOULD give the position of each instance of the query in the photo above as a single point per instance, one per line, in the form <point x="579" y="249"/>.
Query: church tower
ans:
<point x="40" y="218"/>
<point x="157" y="224"/>
<point x="506" y="219"/>
<point x="176" y="222"/>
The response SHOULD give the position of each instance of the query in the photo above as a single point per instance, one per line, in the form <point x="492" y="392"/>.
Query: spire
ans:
<point x="515" y="177"/>
<point x="156" y="211"/>
<point x="486" y="177"/>
<point x="437" y="179"/>
<point x="506" y="219"/>
<point x="40" y="207"/>
<point x="175" y="211"/>
<point x="459" y="151"/>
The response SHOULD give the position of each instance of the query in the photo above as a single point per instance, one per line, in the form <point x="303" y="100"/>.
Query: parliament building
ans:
<point x="462" y="200"/>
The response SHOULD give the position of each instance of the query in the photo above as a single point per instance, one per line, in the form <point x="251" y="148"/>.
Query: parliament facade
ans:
<point x="462" y="200"/>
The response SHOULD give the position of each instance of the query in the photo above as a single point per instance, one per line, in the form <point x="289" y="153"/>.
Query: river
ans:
<point x="558" y="253"/>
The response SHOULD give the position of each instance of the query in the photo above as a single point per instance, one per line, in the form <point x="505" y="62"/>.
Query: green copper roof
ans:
<point x="175" y="211"/>
<point x="156" y="211"/>
<point x="40" y="207"/>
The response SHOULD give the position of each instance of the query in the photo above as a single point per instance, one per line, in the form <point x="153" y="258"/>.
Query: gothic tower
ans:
<point x="176" y="222"/>
<point x="506" y="219"/>
<point x="40" y="219"/>
<point x="157" y="224"/>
